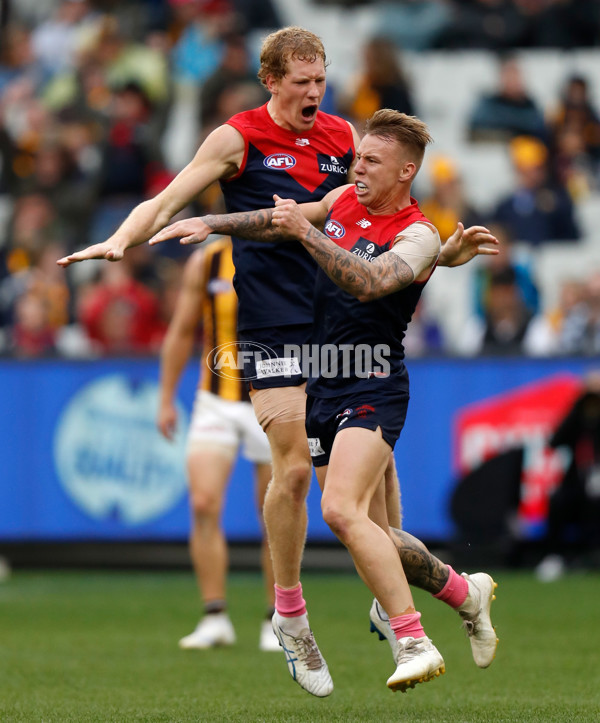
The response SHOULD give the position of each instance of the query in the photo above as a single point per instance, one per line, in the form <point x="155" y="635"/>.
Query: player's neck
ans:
<point x="392" y="205"/>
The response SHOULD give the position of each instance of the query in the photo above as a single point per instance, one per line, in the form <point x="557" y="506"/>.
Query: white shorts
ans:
<point x="230" y="424"/>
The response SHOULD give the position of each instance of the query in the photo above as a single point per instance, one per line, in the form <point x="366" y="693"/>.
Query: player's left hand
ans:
<point x="189" y="231"/>
<point x="466" y="244"/>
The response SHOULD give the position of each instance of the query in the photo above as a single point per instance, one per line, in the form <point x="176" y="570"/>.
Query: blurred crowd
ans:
<point x="88" y="92"/>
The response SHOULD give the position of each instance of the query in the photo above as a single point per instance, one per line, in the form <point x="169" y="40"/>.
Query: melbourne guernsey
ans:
<point x="362" y="340"/>
<point x="275" y="281"/>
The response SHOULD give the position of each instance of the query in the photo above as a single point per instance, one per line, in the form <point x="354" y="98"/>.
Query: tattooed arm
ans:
<point x="252" y="225"/>
<point x="363" y="279"/>
<point x="412" y="256"/>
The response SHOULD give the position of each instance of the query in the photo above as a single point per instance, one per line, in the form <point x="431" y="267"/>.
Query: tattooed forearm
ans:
<point x="363" y="279"/>
<point x="252" y="225"/>
<point x="422" y="569"/>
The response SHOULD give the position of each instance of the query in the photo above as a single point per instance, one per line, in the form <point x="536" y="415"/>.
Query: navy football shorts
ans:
<point x="272" y="356"/>
<point x="326" y="417"/>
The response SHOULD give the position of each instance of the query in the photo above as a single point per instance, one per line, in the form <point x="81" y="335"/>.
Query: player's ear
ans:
<point x="272" y="84"/>
<point x="407" y="171"/>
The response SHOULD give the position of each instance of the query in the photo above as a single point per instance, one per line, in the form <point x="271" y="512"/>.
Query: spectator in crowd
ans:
<point x="56" y="41"/>
<point x="131" y="143"/>
<point x="424" y="336"/>
<point x="120" y="314"/>
<point x="508" y="111"/>
<point x="32" y="335"/>
<point x="518" y="263"/>
<point x="200" y="29"/>
<point x="512" y="24"/>
<point x="580" y="332"/>
<point x="538" y="210"/>
<point x="34" y="306"/>
<point x="34" y="220"/>
<point x="414" y="25"/>
<point x="548" y="326"/>
<point x="131" y="157"/>
<point x="575" y="137"/>
<point x="485" y="24"/>
<point x="573" y="527"/>
<point x="26" y="123"/>
<point x="503" y="330"/>
<point x="564" y="24"/>
<point x="381" y="83"/>
<point x="57" y="177"/>
<point x="16" y="56"/>
<point x="125" y="61"/>
<point x="234" y="69"/>
<point x="257" y="15"/>
<point x="447" y="204"/>
<point x="572" y="166"/>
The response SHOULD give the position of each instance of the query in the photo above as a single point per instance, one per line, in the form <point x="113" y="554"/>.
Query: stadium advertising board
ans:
<point x="82" y="459"/>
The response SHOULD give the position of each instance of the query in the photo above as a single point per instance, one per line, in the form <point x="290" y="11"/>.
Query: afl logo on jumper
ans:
<point x="334" y="229"/>
<point x="279" y="161"/>
<point x="111" y="460"/>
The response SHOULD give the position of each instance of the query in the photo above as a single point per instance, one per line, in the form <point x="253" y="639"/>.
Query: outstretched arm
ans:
<point x="253" y="225"/>
<point x="466" y="244"/>
<point x="218" y="157"/>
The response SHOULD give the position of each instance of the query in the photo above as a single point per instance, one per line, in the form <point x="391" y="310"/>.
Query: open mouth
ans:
<point x="309" y="111"/>
<point x="360" y="186"/>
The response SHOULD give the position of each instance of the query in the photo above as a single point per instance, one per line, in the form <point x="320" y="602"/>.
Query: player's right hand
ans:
<point x="167" y="421"/>
<point x="105" y="250"/>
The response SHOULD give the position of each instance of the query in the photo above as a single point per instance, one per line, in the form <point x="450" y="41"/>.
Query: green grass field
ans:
<point x="102" y="646"/>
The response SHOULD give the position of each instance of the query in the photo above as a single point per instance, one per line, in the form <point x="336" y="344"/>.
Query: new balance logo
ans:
<point x="363" y="223"/>
<point x="302" y="142"/>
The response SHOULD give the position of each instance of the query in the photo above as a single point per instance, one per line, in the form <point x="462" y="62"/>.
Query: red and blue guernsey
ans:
<point x="275" y="281"/>
<point x="363" y="339"/>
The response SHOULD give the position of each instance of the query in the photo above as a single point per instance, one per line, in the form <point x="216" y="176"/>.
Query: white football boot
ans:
<point x="417" y="660"/>
<point x="475" y="612"/>
<point x="304" y="660"/>
<point x="213" y="630"/>
<point x="380" y="624"/>
<point x="268" y="641"/>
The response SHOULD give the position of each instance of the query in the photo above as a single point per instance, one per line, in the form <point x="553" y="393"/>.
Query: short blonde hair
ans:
<point x="408" y="130"/>
<point x="284" y="45"/>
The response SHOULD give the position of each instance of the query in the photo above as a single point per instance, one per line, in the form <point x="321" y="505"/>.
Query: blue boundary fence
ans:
<point x="81" y="458"/>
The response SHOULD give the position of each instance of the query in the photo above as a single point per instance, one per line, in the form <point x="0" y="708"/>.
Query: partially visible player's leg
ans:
<point x="281" y="412"/>
<point x="392" y="494"/>
<point x="256" y="449"/>
<point x="209" y="468"/>
<point x="268" y="641"/>
<point x="357" y="463"/>
<point x="470" y="595"/>
<point x="285" y="502"/>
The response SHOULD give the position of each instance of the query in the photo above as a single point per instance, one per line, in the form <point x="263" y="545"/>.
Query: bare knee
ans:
<point x="337" y="517"/>
<point x="292" y="482"/>
<point x="205" y="506"/>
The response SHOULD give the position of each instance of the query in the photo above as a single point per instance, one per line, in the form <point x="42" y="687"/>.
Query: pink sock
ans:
<point x="407" y="626"/>
<point x="454" y="591"/>
<point x="289" y="602"/>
